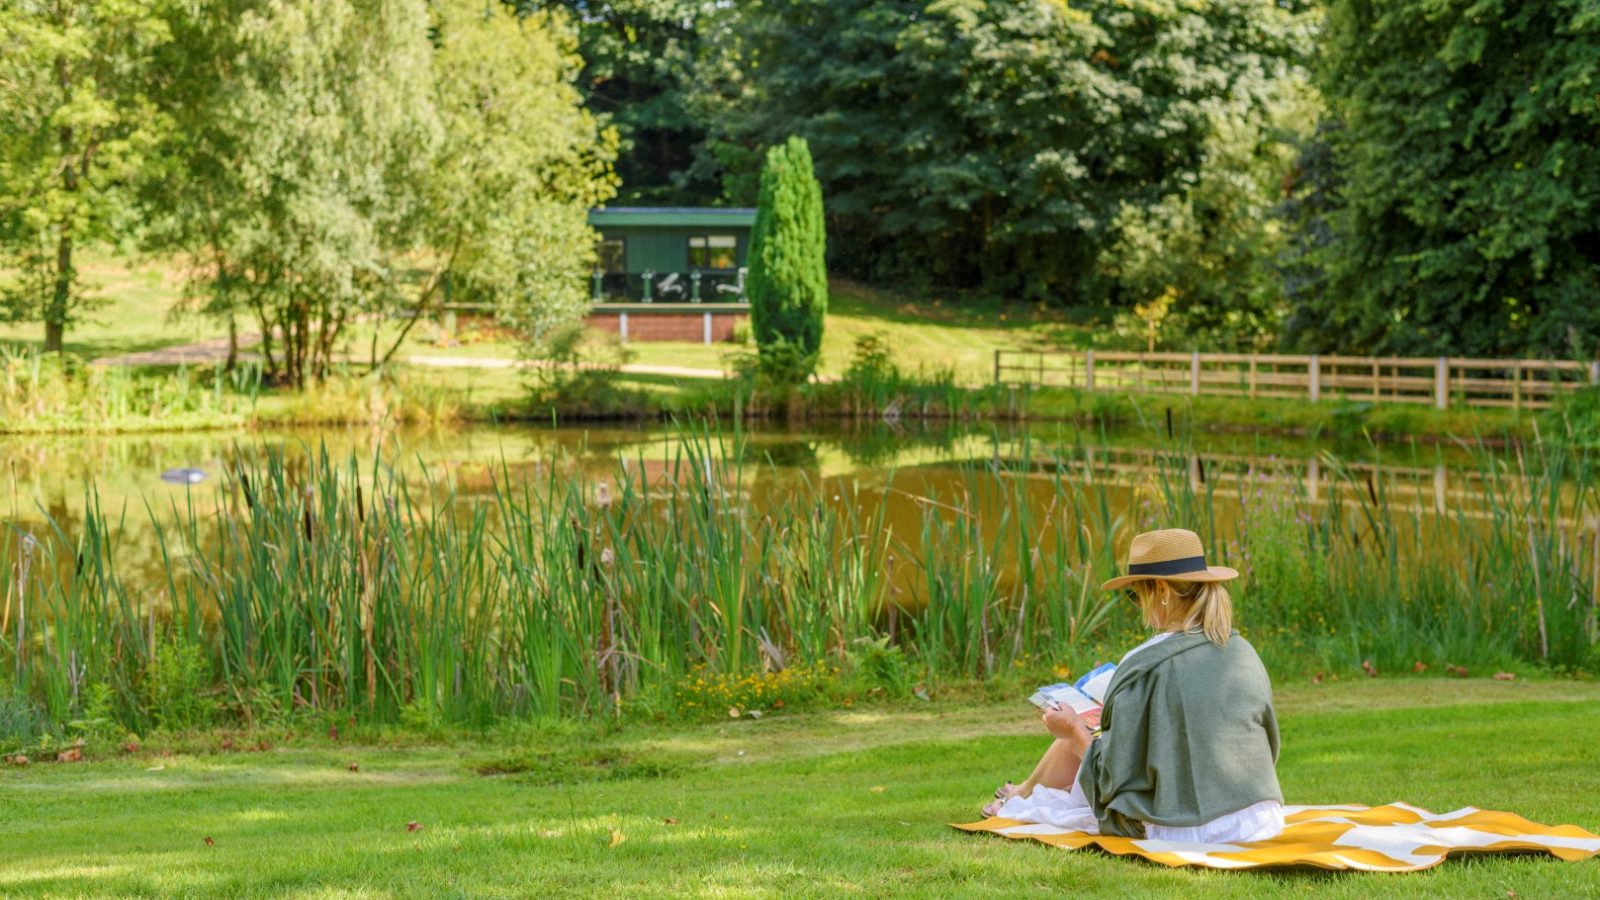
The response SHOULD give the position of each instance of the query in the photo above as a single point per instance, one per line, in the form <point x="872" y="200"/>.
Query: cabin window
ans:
<point x="611" y="256"/>
<point x="713" y="251"/>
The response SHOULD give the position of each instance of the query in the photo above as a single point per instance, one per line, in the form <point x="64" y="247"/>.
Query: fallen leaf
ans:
<point x="130" y="747"/>
<point x="413" y="826"/>
<point x="878" y="789"/>
<point x="71" y="754"/>
<point x="1505" y="676"/>
<point x="617" y="837"/>
<point x="849" y="702"/>
<point x="1317" y="678"/>
<point x="1420" y="666"/>
<point x="921" y="692"/>
<point x="777" y="704"/>
<point x="18" y="760"/>
<point x="227" y="743"/>
<point x="733" y="712"/>
<point x="210" y="842"/>
<point x="355" y="767"/>
<point x="1366" y="666"/>
<point x="263" y="746"/>
<point x="670" y="821"/>
<point x="755" y="713"/>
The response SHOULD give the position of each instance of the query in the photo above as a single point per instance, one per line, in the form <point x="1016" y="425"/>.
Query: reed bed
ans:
<point x="309" y="585"/>
<point x="49" y="392"/>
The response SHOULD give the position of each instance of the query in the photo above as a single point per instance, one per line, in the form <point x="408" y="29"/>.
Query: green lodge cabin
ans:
<point x="670" y="273"/>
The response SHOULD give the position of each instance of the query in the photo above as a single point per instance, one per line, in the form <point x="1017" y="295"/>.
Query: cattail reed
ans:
<point x="565" y="595"/>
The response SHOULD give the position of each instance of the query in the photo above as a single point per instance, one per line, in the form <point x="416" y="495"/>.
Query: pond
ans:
<point x="489" y="571"/>
<point x="893" y="474"/>
<point x="48" y="479"/>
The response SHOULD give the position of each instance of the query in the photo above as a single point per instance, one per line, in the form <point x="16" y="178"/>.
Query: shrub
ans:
<point x="788" y="282"/>
<point x="1576" y="418"/>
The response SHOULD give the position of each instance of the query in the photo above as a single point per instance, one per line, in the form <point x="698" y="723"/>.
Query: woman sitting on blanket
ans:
<point x="1188" y="737"/>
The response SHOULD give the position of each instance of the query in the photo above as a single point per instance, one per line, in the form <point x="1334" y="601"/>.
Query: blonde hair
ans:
<point x="1198" y="606"/>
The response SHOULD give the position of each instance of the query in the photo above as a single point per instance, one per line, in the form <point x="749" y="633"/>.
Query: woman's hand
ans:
<point x="1062" y="722"/>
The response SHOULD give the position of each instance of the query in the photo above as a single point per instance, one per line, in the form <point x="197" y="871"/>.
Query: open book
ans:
<point x="1083" y="696"/>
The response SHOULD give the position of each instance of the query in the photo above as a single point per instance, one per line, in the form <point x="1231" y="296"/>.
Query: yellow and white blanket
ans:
<point x="1393" y="838"/>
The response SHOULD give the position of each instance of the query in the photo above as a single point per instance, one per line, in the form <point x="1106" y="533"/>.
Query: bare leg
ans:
<point x="1058" y="769"/>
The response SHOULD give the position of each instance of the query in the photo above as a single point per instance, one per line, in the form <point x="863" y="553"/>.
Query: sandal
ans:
<point x="1001" y="795"/>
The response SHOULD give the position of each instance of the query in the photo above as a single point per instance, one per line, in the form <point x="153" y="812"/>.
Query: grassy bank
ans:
<point x="828" y="803"/>
<point x="940" y="349"/>
<point x="308" y="586"/>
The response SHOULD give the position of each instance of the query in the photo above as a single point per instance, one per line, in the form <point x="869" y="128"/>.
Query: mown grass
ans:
<point x="926" y="335"/>
<point x="134" y="299"/>
<point x="844" y="802"/>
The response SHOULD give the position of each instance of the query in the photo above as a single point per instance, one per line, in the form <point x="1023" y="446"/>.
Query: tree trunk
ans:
<point x="55" y="314"/>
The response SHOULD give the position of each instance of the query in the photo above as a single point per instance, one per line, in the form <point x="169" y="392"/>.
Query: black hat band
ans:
<point x="1169" y="567"/>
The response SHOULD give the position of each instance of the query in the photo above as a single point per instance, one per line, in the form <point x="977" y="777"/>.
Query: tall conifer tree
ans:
<point x="788" y="280"/>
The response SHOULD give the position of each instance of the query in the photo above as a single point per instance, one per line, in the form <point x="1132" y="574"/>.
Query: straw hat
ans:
<point x="1172" y="554"/>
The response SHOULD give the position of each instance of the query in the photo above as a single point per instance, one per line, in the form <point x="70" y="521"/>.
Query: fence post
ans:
<point x="1314" y="370"/>
<point x="1088" y="370"/>
<point x="1441" y="383"/>
<point x="997" y="366"/>
<point x="1516" y="385"/>
<point x="707" y="325"/>
<point x="622" y="328"/>
<point x="1594" y="372"/>
<point x="1194" y="373"/>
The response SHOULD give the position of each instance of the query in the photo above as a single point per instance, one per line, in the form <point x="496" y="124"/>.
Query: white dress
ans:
<point x="1069" y="809"/>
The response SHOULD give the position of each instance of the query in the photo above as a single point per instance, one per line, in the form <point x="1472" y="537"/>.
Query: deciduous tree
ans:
<point x="1462" y="212"/>
<point x="75" y="125"/>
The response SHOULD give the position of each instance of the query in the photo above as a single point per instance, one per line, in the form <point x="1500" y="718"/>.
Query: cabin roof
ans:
<point x="672" y="216"/>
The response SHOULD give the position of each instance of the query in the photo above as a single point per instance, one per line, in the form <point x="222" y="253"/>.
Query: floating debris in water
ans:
<point x="183" y="476"/>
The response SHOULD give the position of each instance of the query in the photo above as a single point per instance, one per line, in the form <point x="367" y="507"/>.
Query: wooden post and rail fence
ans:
<point x="1441" y="382"/>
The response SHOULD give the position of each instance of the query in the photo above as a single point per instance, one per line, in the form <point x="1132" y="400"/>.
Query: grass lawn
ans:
<point x="920" y="335"/>
<point x="850" y="801"/>
<point x="138" y="296"/>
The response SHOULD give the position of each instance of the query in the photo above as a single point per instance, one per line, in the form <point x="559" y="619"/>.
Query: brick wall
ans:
<point x="668" y="326"/>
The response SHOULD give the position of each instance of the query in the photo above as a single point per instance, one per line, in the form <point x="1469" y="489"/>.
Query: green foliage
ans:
<point x="175" y="686"/>
<point x="579" y="377"/>
<point x="332" y="162"/>
<point x="335" y="588"/>
<point x="1576" y="418"/>
<point x="520" y="164"/>
<point x="1460" y="214"/>
<point x="22" y="722"/>
<point x="788" y="281"/>
<point x="878" y="664"/>
<point x="645" y="67"/>
<point x="54" y="393"/>
<point x="1038" y="149"/>
<point x="75" y="124"/>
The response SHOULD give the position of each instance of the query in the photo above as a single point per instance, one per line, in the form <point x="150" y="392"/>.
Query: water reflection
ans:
<point x="48" y="480"/>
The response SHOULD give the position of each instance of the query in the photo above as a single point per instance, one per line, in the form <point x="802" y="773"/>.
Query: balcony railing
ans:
<point x="702" y="286"/>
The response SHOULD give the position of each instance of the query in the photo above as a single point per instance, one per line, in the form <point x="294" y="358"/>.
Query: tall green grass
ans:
<point x="48" y="392"/>
<point x="307" y="584"/>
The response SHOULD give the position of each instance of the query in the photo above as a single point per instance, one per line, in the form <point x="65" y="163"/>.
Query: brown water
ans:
<point x="47" y="482"/>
